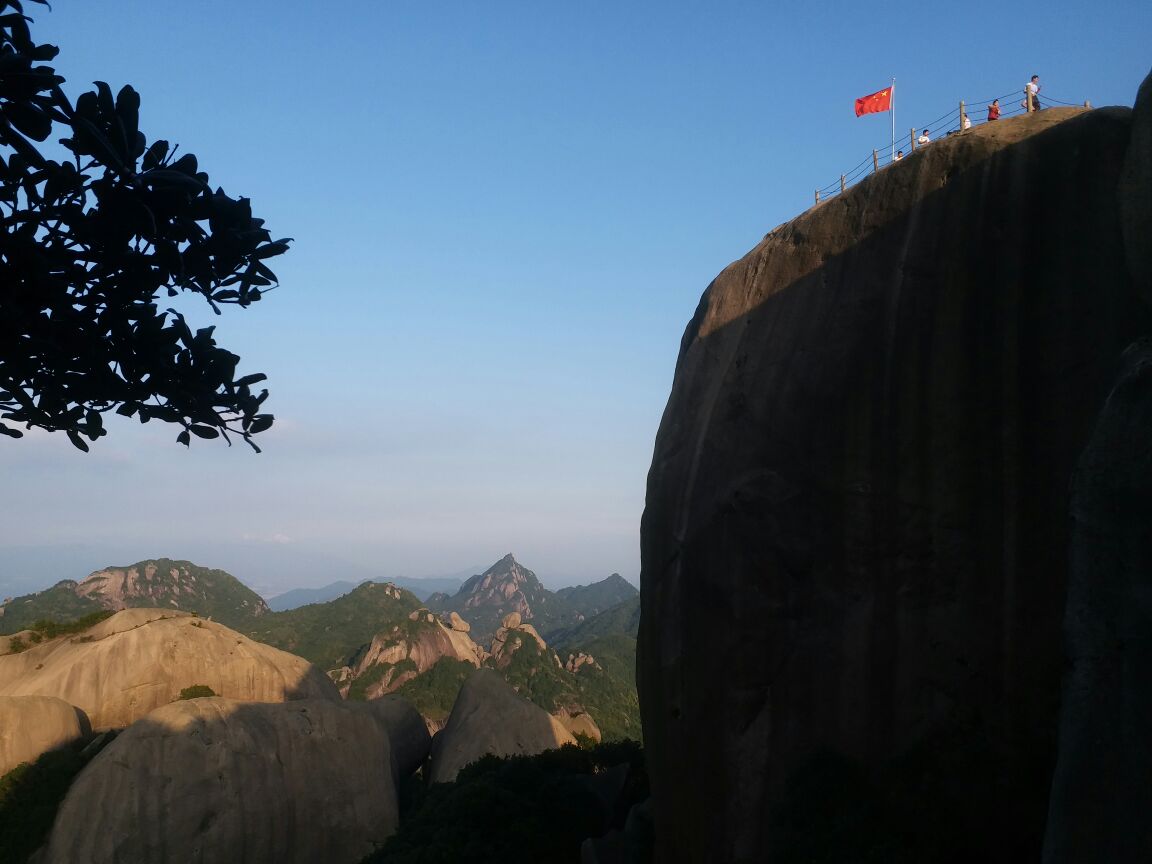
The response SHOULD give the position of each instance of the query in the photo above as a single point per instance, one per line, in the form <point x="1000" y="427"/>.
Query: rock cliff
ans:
<point x="139" y="659"/>
<point x="858" y="499"/>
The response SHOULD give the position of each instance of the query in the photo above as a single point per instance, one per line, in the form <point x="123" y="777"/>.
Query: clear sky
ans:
<point x="504" y="214"/>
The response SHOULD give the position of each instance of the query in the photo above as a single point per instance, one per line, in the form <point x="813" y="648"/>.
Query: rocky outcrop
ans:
<point x="32" y="725"/>
<point x="405" y="651"/>
<point x="503" y="647"/>
<point x="578" y="660"/>
<point x="455" y="622"/>
<point x="863" y="473"/>
<point x="139" y="659"/>
<point x="1101" y="798"/>
<point x="579" y="723"/>
<point x="490" y="717"/>
<point x="213" y="780"/>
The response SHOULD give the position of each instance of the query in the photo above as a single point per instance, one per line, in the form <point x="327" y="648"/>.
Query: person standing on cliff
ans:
<point x="923" y="139"/>
<point x="994" y="110"/>
<point x="1032" y="89"/>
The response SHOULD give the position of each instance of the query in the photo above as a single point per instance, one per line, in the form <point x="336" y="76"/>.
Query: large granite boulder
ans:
<point x="222" y="782"/>
<point x="1101" y="805"/>
<point x="489" y="716"/>
<point x="32" y="725"/>
<point x="407" y="732"/>
<point x="855" y="542"/>
<point x="140" y="659"/>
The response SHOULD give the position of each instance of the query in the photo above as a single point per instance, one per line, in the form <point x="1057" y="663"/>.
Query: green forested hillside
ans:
<point x="159" y="582"/>
<point x="593" y="599"/>
<point x="329" y="633"/>
<point x="623" y="618"/>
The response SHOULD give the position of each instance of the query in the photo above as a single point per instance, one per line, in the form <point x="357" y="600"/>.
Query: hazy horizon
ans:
<point x="267" y="569"/>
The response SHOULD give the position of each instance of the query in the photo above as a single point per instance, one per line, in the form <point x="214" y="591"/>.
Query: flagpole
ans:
<point x="892" y="114"/>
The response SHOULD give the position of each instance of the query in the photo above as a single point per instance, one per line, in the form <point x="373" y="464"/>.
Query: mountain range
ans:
<point x="569" y="651"/>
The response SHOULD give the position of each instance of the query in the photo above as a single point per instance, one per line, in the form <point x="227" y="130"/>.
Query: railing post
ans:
<point x="1027" y="99"/>
<point x="1087" y="104"/>
<point x="962" y="115"/>
<point x="817" y="196"/>
<point x="875" y="162"/>
<point x="911" y="139"/>
<point x="842" y="187"/>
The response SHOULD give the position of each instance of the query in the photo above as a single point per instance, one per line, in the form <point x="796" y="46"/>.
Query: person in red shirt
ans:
<point x="994" y="110"/>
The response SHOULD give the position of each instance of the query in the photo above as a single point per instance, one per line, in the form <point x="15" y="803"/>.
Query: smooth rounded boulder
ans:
<point x="33" y="725"/>
<point x="489" y="716"/>
<point x="139" y="659"/>
<point x="223" y="782"/>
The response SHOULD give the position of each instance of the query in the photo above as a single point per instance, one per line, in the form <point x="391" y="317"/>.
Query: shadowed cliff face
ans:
<point x="859" y="502"/>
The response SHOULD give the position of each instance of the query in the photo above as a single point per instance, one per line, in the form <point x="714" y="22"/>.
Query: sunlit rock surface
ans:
<point x="32" y="725"/>
<point x="140" y="659"/>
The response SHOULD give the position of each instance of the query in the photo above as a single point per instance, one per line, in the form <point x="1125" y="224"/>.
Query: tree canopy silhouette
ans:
<point x="87" y="246"/>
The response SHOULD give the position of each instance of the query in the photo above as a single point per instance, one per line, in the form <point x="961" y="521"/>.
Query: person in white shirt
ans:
<point x="923" y="139"/>
<point x="1032" y="93"/>
<point x="965" y="123"/>
<point x="899" y="155"/>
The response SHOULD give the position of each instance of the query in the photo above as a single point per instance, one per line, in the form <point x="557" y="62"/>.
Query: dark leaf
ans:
<point x="77" y="442"/>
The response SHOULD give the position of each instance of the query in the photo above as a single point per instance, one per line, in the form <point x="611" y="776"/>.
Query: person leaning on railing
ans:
<point x="1032" y="94"/>
<point x="994" y="110"/>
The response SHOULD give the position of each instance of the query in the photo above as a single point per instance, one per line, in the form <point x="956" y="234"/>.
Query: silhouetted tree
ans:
<point x="88" y="244"/>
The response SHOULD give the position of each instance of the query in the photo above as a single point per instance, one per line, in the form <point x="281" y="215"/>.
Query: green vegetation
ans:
<point x="45" y="629"/>
<point x="523" y="808"/>
<point x="609" y="693"/>
<point x="197" y="691"/>
<point x="329" y="634"/>
<point x="534" y="673"/>
<point x="434" y="692"/>
<point x="58" y="603"/>
<point x="623" y="618"/>
<point x="591" y="600"/>
<point x="30" y="795"/>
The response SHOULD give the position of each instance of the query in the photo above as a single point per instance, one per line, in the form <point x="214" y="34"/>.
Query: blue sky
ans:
<point x="504" y="214"/>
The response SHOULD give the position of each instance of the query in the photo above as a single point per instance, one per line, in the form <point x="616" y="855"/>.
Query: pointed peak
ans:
<point x="504" y="565"/>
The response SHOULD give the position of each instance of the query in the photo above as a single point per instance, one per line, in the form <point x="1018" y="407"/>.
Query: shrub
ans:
<point x="197" y="691"/>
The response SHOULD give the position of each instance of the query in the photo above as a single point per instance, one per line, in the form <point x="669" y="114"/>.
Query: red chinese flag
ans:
<point x="874" y="103"/>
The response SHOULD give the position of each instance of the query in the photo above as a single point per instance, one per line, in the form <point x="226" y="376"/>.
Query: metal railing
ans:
<point x="948" y="124"/>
